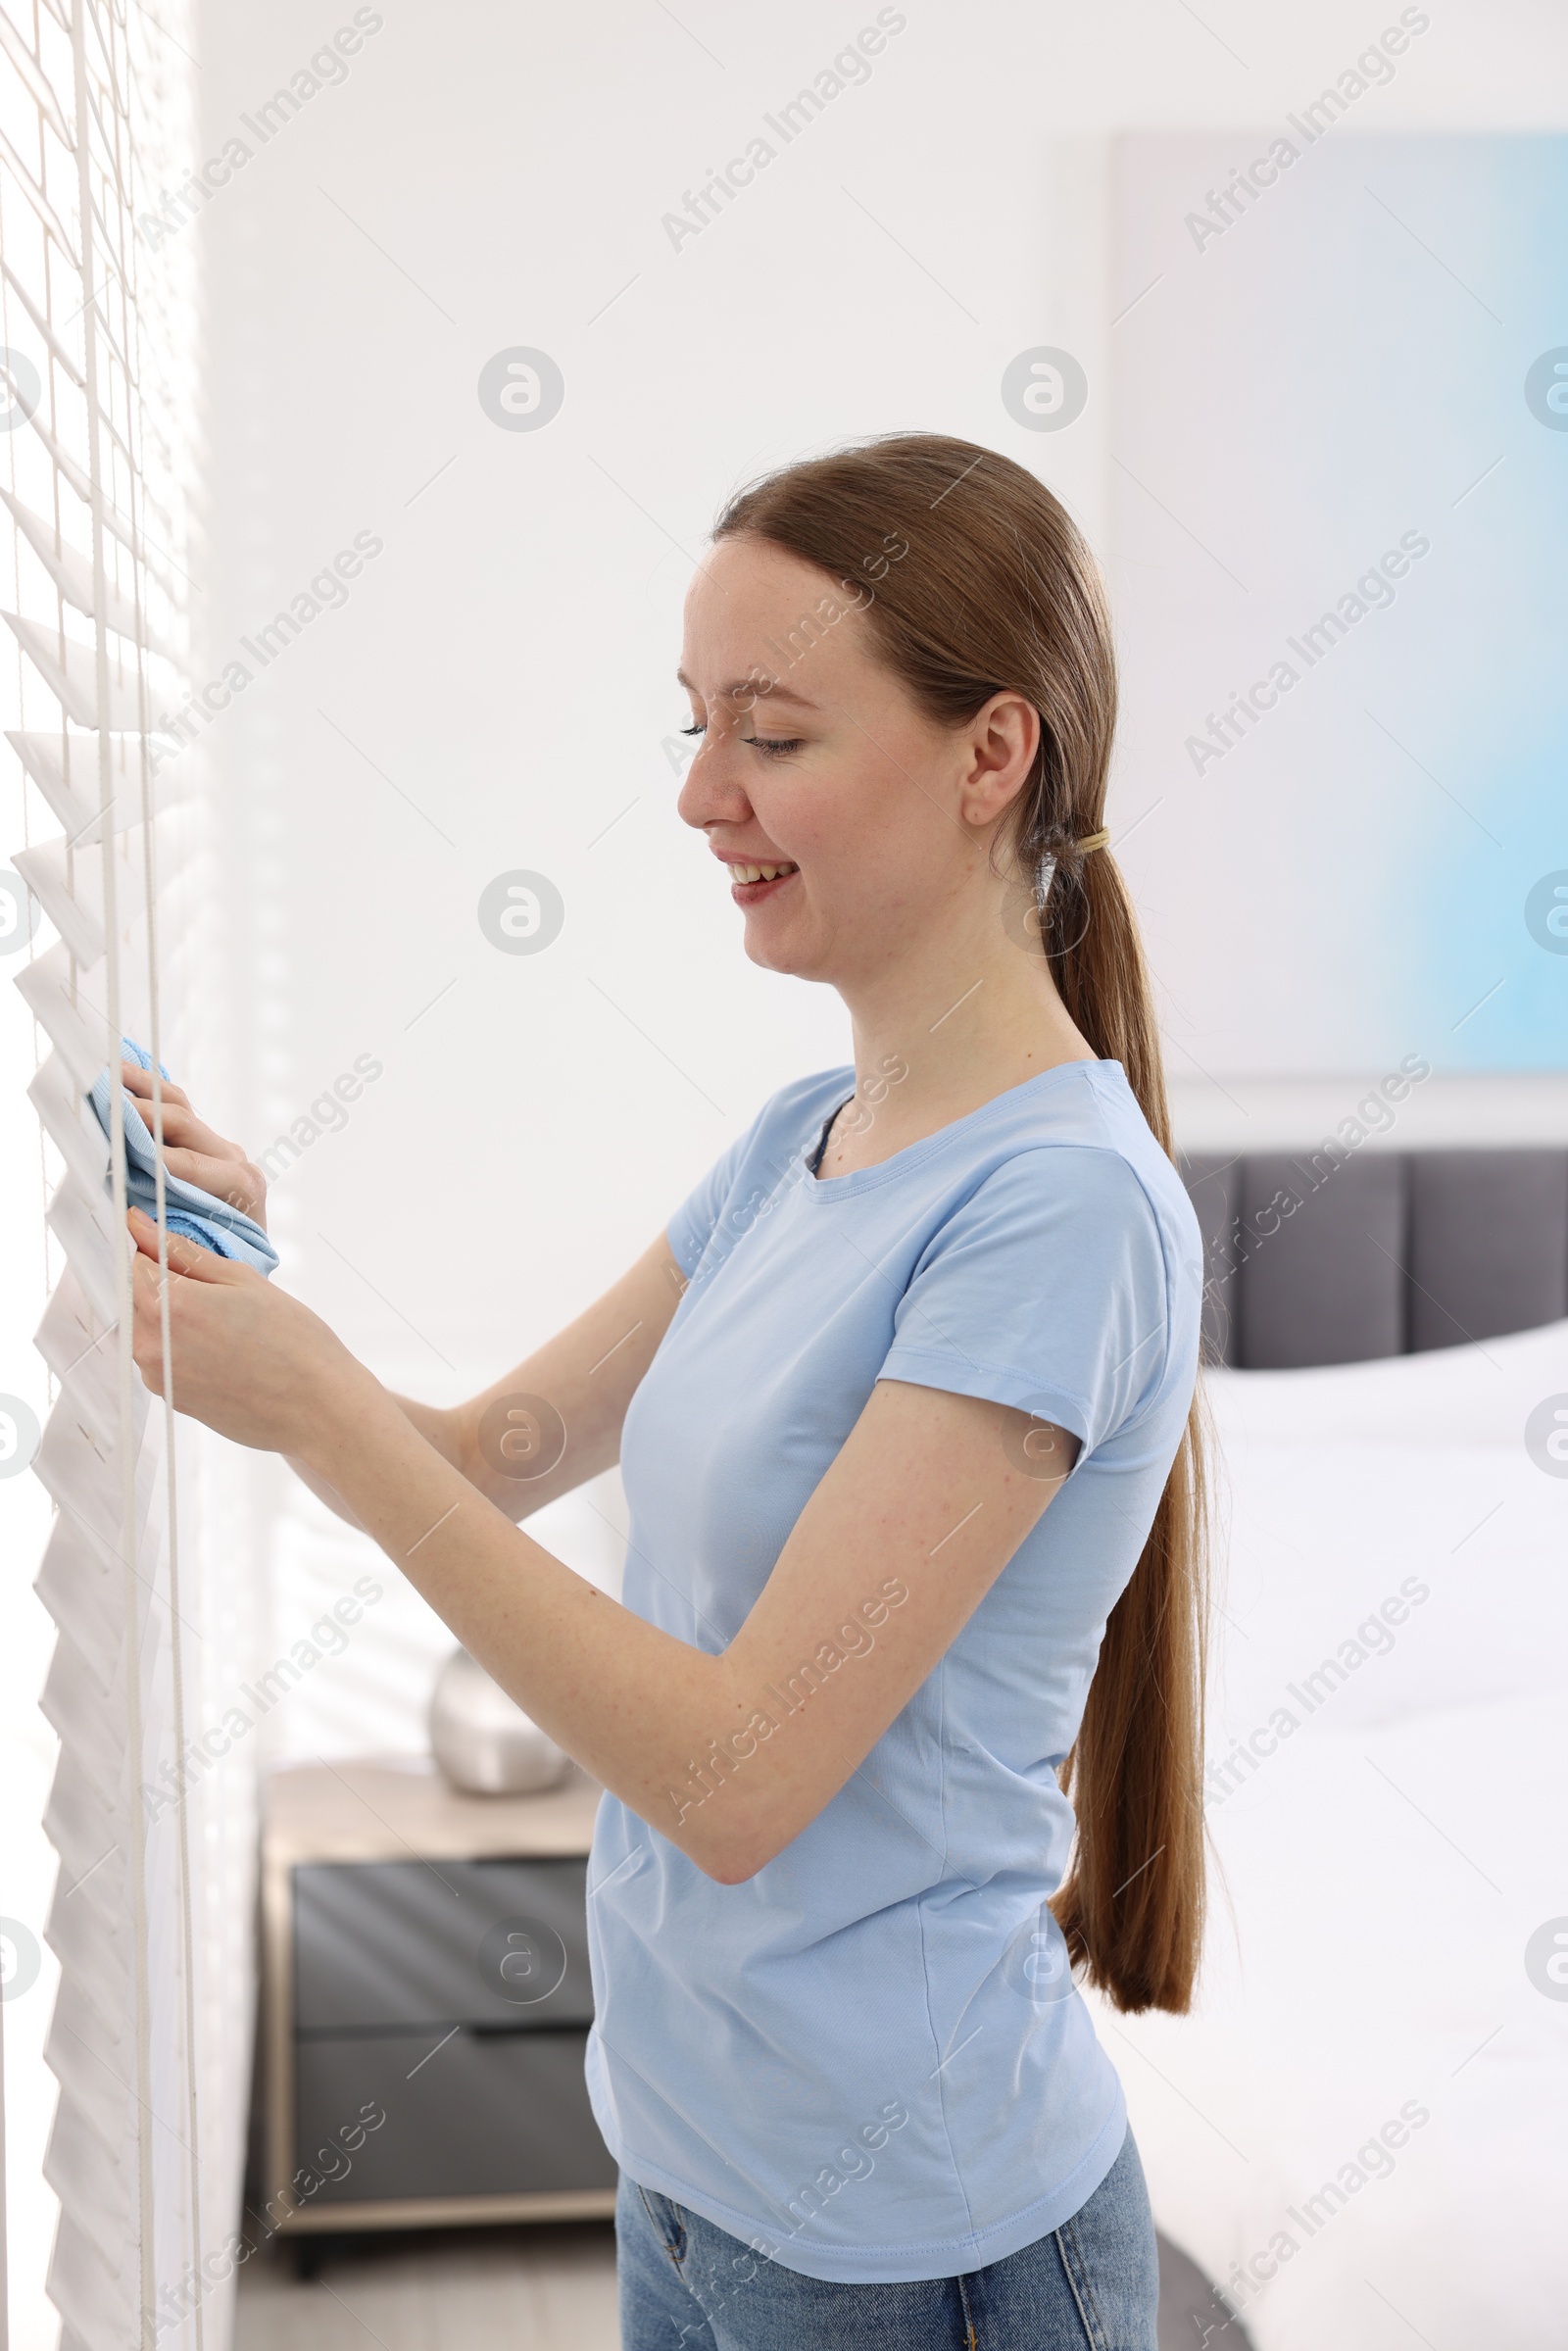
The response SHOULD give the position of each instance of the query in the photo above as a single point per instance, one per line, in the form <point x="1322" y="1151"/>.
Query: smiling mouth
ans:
<point x="750" y="884"/>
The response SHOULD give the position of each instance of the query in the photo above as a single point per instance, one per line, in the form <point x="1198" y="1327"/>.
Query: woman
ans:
<point x="902" y="1404"/>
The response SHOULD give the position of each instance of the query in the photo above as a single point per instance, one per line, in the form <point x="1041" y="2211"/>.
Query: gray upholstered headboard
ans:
<point x="1312" y="1257"/>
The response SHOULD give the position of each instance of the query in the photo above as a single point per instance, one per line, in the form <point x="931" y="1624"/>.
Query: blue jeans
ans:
<point x="1092" y="2285"/>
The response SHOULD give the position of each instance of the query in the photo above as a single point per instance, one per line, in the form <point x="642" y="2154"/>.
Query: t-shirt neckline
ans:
<point x="862" y="1179"/>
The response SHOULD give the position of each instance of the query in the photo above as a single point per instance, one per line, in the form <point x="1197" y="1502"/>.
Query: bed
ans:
<point x="1358" y="2134"/>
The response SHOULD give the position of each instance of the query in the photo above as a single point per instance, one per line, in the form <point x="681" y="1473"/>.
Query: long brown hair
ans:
<point x="979" y="583"/>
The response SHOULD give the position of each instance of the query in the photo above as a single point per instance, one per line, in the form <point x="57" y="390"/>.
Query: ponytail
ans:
<point x="1132" y="1907"/>
<point x="993" y="588"/>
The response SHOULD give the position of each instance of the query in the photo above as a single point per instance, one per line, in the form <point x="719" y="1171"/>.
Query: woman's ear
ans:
<point x="1004" y="739"/>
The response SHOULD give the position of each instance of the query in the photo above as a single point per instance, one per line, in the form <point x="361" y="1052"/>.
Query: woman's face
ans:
<point x="815" y="762"/>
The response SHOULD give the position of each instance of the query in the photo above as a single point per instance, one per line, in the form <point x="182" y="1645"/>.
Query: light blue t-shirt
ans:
<point x="869" y="2060"/>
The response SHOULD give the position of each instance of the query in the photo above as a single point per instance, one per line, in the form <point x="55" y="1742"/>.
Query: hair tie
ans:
<point x="1091" y="841"/>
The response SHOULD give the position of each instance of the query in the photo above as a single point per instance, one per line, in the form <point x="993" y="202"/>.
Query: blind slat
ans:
<point x="65" y="768"/>
<point x="114" y="522"/>
<point x="49" y="220"/>
<point x="70" y="670"/>
<point x="71" y="573"/>
<point x="61" y="355"/>
<point x="36" y="81"/>
<point x="78" y="1028"/>
<point x="69" y="1324"/>
<point x="83" y="1231"/>
<point x="76" y="1588"/>
<point x="77" y="921"/>
<point x="69" y="885"/>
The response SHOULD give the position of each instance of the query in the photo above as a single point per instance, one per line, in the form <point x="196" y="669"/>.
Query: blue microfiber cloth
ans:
<point x="199" y="1215"/>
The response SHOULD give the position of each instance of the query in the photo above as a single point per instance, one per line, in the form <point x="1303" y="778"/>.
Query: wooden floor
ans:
<point x="482" y="2289"/>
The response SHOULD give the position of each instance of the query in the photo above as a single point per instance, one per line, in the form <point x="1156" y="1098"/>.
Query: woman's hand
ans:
<point x="247" y="1359"/>
<point x="194" y="1152"/>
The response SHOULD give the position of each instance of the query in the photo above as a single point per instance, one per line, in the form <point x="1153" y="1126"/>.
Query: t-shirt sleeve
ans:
<point x="744" y="1180"/>
<point x="1047" y="1289"/>
<point x="692" y="1227"/>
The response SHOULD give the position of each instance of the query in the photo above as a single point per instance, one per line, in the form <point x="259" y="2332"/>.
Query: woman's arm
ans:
<point x="730" y="1756"/>
<point x="554" y="1421"/>
<point x="584" y="1377"/>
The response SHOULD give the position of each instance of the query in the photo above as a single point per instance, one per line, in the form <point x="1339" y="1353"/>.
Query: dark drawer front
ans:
<point x="491" y="2114"/>
<point x="405" y="1944"/>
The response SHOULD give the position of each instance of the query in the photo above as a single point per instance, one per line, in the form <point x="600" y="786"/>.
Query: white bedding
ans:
<point x="1383" y="1864"/>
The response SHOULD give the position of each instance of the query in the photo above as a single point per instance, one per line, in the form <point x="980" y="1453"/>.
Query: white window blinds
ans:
<point x="150" y="1918"/>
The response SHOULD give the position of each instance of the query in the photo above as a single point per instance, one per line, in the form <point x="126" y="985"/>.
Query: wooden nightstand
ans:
<point x="425" y="2003"/>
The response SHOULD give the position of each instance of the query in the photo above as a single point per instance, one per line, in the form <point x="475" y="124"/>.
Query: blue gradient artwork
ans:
<point x="1340" y="457"/>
